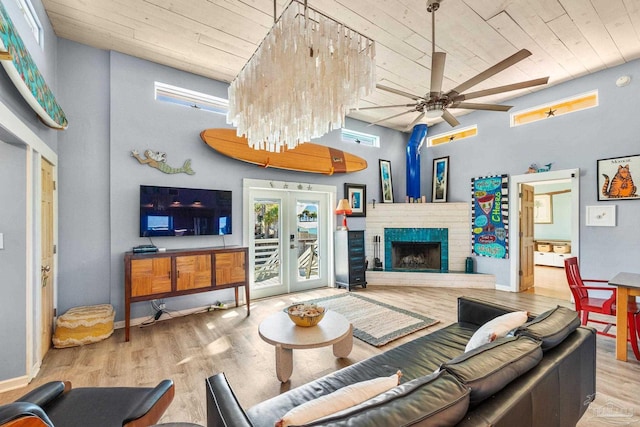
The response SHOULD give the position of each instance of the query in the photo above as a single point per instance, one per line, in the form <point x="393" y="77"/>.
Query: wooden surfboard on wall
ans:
<point x="25" y="75"/>
<point x="307" y="157"/>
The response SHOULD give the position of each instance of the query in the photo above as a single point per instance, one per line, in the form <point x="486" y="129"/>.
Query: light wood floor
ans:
<point x="551" y="282"/>
<point x="189" y="349"/>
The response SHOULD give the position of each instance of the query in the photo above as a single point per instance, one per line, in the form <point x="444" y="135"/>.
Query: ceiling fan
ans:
<point x="435" y="103"/>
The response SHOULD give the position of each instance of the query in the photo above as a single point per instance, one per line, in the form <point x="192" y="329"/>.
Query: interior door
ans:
<point x="46" y="262"/>
<point x="526" y="237"/>
<point x="289" y="247"/>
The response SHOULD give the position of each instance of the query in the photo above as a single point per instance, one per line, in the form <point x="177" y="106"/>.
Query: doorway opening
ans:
<point x="536" y="227"/>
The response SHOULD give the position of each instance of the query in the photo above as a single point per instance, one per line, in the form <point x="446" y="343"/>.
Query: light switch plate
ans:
<point x="1" y="240"/>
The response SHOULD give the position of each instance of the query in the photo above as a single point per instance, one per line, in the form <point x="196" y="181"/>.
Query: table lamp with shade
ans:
<point x="344" y="209"/>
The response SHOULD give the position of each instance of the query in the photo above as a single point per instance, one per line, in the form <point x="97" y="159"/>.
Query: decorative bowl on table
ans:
<point x="306" y="314"/>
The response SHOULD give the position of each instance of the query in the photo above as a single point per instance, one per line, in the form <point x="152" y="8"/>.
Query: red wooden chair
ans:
<point x="586" y="304"/>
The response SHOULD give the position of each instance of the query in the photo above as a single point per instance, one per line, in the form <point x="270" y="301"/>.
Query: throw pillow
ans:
<point x="339" y="400"/>
<point x="551" y="327"/>
<point x="431" y="400"/>
<point x="496" y="328"/>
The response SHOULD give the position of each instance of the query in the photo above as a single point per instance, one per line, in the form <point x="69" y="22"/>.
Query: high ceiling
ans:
<point x="215" y="38"/>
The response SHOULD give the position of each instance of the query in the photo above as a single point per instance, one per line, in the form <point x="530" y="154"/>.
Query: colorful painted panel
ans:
<point x="490" y="216"/>
<point x="25" y="75"/>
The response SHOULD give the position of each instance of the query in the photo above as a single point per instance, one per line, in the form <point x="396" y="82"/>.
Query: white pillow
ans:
<point x="339" y="400"/>
<point x="496" y="328"/>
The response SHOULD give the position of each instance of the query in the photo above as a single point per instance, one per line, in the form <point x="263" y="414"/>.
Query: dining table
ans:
<point x="628" y="285"/>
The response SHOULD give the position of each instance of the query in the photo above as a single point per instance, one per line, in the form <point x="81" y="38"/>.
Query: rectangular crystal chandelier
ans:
<point x="303" y="79"/>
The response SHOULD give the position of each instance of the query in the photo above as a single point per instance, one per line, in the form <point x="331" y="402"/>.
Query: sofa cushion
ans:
<point x="487" y="369"/>
<point x="433" y="400"/>
<point x="496" y="328"/>
<point x="339" y="400"/>
<point x="551" y="327"/>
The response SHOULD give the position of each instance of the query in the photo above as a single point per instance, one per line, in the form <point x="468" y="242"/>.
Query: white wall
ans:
<point x="571" y="141"/>
<point x="83" y="191"/>
<point x="13" y="266"/>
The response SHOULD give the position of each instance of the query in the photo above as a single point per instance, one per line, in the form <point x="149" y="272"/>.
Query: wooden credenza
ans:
<point x="149" y="276"/>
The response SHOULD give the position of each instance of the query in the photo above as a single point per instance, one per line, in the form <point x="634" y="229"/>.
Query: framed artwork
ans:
<point x="490" y="216"/>
<point x="543" y="209"/>
<point x="440" y="179"/>
<point x="356" y="194"/>
<point x="615" y="178"/>
<point x="601" y="216"/>
<point x="386" y="186"/>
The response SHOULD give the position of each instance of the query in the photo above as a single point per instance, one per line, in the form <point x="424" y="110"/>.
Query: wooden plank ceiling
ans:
<point x="215" y="38"/>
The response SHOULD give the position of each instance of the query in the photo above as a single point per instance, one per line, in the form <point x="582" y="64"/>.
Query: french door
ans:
<point x="289" y="245"/>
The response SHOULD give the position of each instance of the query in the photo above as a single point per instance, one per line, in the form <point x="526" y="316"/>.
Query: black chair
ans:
<point x="56" y="404"/>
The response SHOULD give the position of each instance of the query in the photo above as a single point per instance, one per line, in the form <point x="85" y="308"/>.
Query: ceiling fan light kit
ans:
<point x="435" y="103"/>
<point x="303" y="79"/>
<point x="434" y="111"/>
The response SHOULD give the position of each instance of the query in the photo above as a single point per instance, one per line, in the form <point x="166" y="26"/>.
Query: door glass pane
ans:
<point x="266" y="214"/>
<point x="307" y="237"/>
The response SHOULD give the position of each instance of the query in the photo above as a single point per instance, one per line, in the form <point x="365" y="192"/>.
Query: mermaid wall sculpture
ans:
<point x="158" y="160"/>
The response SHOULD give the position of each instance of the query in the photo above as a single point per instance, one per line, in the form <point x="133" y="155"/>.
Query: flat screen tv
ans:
<point x="173" y="211"/>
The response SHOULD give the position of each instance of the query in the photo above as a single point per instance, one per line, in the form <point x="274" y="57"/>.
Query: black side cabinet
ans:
<point x="349" y="259"/>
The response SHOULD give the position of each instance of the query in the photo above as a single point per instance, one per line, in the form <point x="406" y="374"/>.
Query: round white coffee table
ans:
<point x="278" y="330"/>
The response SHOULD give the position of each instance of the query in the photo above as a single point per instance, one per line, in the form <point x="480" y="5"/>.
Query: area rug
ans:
<point x="374" y="322"/>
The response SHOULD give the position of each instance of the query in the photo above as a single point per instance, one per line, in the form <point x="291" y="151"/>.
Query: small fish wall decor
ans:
<point x="534" y="168"/>
<point x="158" y="160"/>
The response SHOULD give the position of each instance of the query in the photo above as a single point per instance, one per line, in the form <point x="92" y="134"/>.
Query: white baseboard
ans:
<point x="503" y="288"/>
<point x="14" y="383"/>
<point x="35" y="369"/>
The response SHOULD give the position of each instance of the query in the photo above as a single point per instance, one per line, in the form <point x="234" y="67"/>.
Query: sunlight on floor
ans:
<point x="230" y="315"/>
<point x="218" y="346"/>
<point x="185" y="361"/>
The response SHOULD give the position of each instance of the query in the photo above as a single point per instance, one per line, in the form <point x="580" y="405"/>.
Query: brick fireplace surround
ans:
<point x="455" y="217"/>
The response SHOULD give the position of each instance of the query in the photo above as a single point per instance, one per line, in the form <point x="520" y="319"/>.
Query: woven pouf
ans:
<point x="84" y="325"/>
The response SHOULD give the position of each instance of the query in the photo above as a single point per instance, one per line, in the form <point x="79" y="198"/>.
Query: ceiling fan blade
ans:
<point x="416" y="120"/>
<point x="501" y="89"/>
<point x="449" y="118"/>
<point x="391" y="117"/>
<point x="383" y="106"/>
<point x="491" y="71"/>
<point x="437" y="72"/>
<point x="474" y="106"/>
<point x="398" y="92"/>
